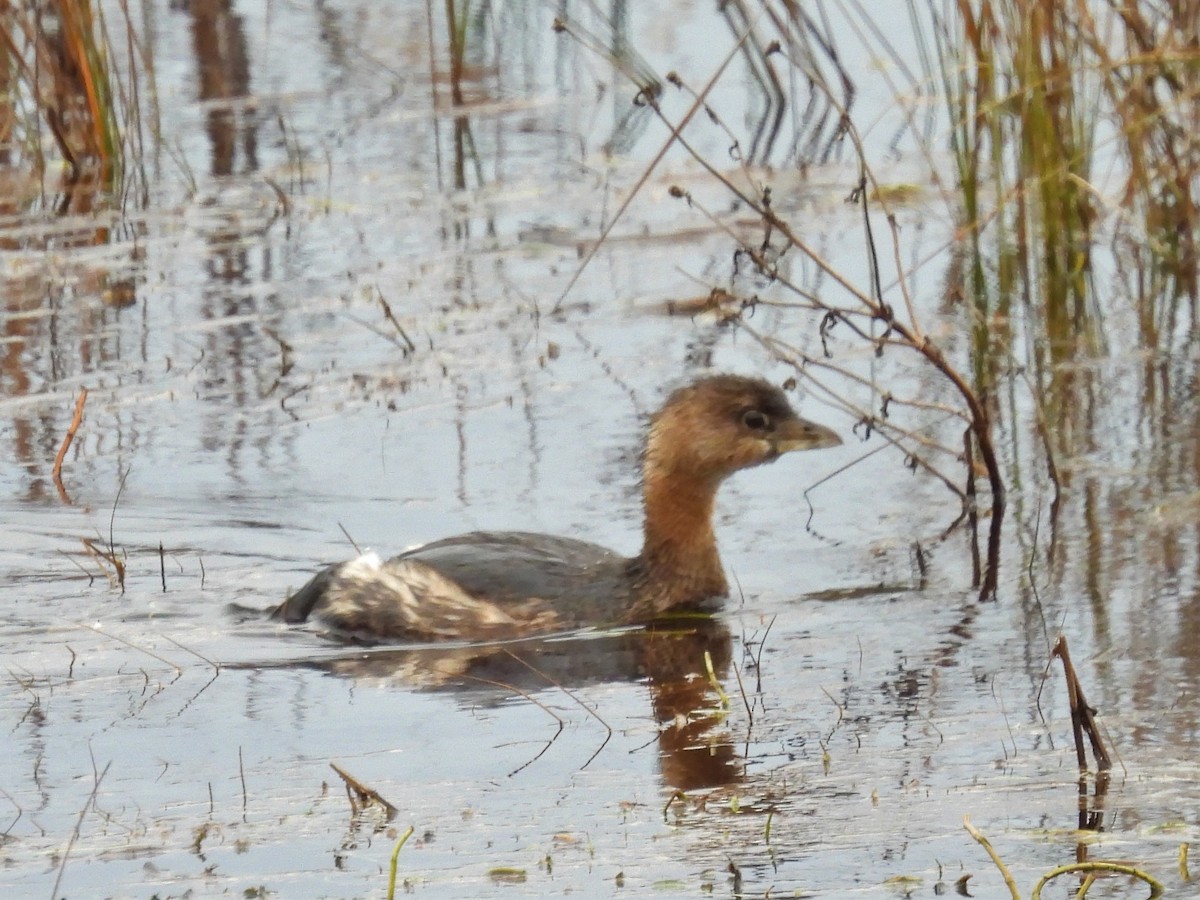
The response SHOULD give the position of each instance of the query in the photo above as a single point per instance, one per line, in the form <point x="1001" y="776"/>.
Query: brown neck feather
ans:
<point x="679" y="561"/>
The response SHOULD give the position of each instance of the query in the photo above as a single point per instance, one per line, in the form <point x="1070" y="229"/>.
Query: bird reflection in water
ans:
<point x="695" y="750"/>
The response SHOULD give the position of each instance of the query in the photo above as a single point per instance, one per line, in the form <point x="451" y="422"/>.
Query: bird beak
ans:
<point x="801" y="434"/>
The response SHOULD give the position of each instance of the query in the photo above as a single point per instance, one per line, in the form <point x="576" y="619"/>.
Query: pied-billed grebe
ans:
<point x="498" y="585"/>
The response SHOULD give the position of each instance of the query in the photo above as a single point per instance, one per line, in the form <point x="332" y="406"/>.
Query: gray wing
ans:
<point x="512" y="566"/>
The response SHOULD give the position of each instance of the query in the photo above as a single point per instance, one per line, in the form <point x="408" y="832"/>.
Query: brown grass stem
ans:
<point x="76" y="420"/>
<point x="536" y="702"/>
<point x="353" y="543"/>
<point x="242" y="777"/>
<point x="21" y="812"/>
<point x="762" y="644"/>
<point x="409" y="346"/>
<point x="1083" y="716"/>
<point x="591" y="712"/>
<point x="116" y="637"/>
<point x="360" y="795"/>
<point x="737" y="674"/>
<point x="675" y="795"/>
<point x="118" y="564"/>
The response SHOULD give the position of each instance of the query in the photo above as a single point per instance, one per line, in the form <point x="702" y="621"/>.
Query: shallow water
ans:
<point x="255" y="395"/>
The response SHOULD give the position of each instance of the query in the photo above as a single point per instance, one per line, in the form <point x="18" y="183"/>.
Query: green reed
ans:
<point x="60" y="77"/>
<point x="1074" y="132"/>
<point x="1043" y="97"/>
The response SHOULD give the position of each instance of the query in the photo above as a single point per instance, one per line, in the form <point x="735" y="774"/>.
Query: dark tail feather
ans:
<point x="299" y="606"/>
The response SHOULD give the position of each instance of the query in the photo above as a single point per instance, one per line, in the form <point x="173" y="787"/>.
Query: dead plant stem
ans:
<point x="62" y="866"/>
<point x="76" y="419"/>
<point x="696" y="106"/>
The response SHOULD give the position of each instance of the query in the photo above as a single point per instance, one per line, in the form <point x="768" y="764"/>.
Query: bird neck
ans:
<point x="679" y="560"/>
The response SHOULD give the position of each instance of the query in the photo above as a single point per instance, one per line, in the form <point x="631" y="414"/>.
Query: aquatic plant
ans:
<point x="58" y="64"/>
<point x="1054" y="111"/>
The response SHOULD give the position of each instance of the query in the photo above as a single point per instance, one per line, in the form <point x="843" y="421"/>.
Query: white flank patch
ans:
<point x="369" y="562"/>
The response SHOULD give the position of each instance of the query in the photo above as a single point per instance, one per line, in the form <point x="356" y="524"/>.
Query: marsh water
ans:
<point x="339" y="312"/>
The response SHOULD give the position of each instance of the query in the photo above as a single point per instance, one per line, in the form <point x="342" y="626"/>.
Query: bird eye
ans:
<point x="752" y="418"/>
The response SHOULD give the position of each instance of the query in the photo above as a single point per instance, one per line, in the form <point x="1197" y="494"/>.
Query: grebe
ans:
<point x="500" y="585"/>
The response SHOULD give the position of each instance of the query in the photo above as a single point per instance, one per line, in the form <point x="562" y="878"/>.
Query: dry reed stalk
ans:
<point x="1083" y="717"/>
<point x="76" y="419"/>
<point x="70" y="436"/>
<point x="360" y="795"/>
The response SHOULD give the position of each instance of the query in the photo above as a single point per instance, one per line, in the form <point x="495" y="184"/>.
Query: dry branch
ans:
<point x="1083" y="717"/>
<point x="360" y="795"/>
<point x="76" y="419"/>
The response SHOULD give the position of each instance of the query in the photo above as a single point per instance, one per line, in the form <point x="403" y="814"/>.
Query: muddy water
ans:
<point x="251" y="396"/>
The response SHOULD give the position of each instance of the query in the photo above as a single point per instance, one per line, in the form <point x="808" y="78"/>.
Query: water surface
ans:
<point x="251" y="396"/>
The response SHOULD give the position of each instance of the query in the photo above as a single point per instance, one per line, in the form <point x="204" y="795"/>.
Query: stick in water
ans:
<point x="66" y="444"/>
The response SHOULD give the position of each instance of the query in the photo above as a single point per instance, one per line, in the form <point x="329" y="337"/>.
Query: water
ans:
<point x="255" y="397"/>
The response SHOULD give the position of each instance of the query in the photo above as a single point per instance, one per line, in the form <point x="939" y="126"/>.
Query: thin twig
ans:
<point x="536" y="702"/>
<point x="677" y="795"/>
<point x="62" y="866"/>
<point x="242" y="776"/>
<point x="387" y="311"/>
<point x="90" y="577"/>
<point x="20" y="812"/>
<point x="1083" y="717"/>
<point x="591" y="712"/>
<point x="112" y="553"/>
<point x="742" y="690"/>
<point x="909" y="335"/>
<point x="350" y="539"/>
<point x="762" y="645"/>
<point x="76" y="419"/>
<point x="696" y="106"/>
<point x="127" y="643"/>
